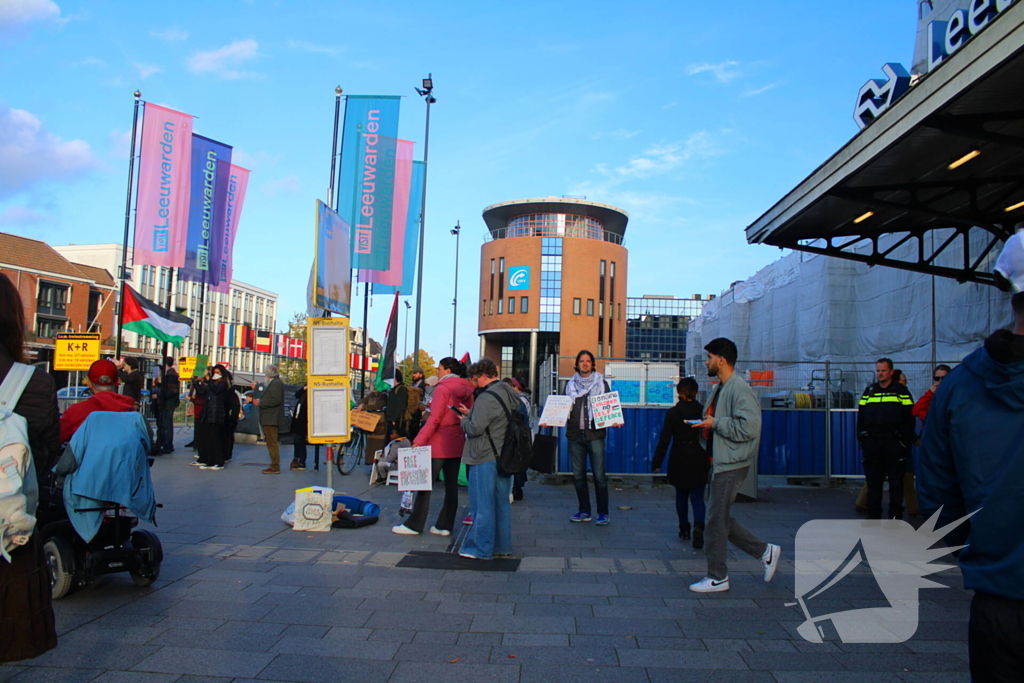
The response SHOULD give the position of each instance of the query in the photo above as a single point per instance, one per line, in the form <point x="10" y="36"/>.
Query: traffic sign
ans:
<point x="75" y="351"/>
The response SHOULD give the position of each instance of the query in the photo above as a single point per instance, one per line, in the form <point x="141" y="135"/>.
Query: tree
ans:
<point x="293" y="370"/>
<point x="427" y="365"/>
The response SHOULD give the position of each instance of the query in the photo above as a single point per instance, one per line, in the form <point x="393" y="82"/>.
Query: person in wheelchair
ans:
<point x="103" y="381"/>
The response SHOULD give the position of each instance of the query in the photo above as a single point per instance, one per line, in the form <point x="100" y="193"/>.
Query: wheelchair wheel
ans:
<point x="349" y="454"/>
<point x="60" y="563"/>
<point x="151" y="557"/>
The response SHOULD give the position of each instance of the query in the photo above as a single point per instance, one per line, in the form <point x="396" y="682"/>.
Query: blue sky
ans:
<point x="693" y="117"/>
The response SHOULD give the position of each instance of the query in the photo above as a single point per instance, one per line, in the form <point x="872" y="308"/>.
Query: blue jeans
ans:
<point x="165" y="429"/>
<point x="696" y="499"/>
<point x="491" y="532"/>
<point x="299" y="448"/>
<point x="578" y="451"/>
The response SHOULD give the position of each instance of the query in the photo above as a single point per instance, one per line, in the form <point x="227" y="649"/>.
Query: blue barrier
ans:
<point x="792" y="443"/>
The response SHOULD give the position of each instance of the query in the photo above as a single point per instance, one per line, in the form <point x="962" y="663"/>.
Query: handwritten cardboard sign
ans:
<point x="414" y="473"/>
<point x="556" y="411"/>
<point x="606" y="410"/>
<point x="365" y="421"/>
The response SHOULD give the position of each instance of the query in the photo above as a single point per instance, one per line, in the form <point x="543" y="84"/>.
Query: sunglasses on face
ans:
<point x="936" y="378"/>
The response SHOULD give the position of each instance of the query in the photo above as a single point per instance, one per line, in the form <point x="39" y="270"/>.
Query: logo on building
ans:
<point x="887" y="559"/>
<point x="519" y="278"/>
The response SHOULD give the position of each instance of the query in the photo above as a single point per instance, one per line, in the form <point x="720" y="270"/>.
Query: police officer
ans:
<point x="885" y="429"/>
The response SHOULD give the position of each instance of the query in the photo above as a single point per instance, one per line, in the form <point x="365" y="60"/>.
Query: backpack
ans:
<point x="517" y="450"/>
<point x="19" y="489"/>
<point x="413" y="400"/>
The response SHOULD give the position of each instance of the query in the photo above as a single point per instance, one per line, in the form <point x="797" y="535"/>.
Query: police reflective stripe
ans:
<point x="886" y="398"/>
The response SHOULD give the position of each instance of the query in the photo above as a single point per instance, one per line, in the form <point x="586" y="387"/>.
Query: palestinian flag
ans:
<point x="144" y="317"/>
<point x="386" y="370"/>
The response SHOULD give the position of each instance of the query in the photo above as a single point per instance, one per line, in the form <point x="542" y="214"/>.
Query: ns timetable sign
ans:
<point x="75" y="351"/>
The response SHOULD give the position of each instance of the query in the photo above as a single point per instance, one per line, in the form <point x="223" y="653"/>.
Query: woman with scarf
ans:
<point x="585" y="439"/>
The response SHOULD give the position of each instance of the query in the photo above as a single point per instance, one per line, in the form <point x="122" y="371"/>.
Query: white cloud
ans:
<point x="306" y="46"/>
<point x="670" y="105"/>
<point x="170" y="35"/>
<point x="119" y="143"/>
<point x="22" y="216"/>
<point x="147" y="70"/>
<point x="252" y="160"/>
<point x="223" y="61"/>
<point x="724" y="72"/>
<point x="620" y="134"/>
<point x="16" y="16"/>
<point x="91" y="61"/>
<point x="662" y="157"/>
<point x="29" y="154"/>
<point x="758" y="91"/>
<point x="289" y="185"/>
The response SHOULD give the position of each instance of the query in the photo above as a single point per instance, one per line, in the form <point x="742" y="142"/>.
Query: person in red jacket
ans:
<point x="103" y="381"/>
<point x="920" y="409"/>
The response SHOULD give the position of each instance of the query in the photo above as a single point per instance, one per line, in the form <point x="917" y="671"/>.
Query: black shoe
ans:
<point x="166" y="450"/>
<point x="684" y="533"/>
<point x="517" y="492"/>
<point x="698" y="536"/>
<point x="190" y="444"/>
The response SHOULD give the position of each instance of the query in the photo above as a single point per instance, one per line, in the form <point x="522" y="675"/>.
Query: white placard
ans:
<point x="328" y="412"/>
<point x="329" y="350"/>
<point x="606" y="410"/>
<point x="414" y="472"/>
<point x="556" y="411"/>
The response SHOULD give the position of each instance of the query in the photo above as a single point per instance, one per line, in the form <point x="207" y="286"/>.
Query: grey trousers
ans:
<point x="722" y="528"/>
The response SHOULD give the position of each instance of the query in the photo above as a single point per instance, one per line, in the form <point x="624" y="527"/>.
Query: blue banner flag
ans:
<point x="211" y="171"/>
<point x="367" y="184"/>
<point x="412" y="235"/>
<point x="332" y="290"/>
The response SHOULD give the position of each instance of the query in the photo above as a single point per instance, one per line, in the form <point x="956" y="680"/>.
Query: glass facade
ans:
<point x="550" y="284"/>
<point x="656" y="327"/>
<point x="556" y="225"/>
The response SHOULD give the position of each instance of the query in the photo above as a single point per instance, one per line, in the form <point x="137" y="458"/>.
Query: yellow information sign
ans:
<point x="191" y="366"/>
<point x="329" y="396"/>
<point x="75" y="351"/>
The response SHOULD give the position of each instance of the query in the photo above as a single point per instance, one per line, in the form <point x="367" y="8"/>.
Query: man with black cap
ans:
<point x="168" y="399"/>
<point x="972" y="463"/>
<point x="102" y="379"/>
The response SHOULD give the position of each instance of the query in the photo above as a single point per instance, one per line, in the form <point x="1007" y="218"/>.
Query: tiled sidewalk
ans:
<point x="243" y="597"/>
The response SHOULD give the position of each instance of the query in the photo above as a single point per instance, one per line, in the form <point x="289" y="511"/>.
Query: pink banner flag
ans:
<point x="238" y="181"/>
<point x="161" y="220"/>
<point x="403" y="184"/>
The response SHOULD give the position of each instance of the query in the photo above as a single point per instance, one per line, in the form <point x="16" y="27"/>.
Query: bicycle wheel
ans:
<point x="349" y="455"/>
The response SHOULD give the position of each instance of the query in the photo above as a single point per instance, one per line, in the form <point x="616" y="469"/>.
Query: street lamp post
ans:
<point x="455" y="302"/>
<point x="427" y="94"/>
<point x="406" y="343"/>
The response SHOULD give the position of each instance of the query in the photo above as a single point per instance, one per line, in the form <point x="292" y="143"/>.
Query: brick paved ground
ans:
<point x="242" y="597"/>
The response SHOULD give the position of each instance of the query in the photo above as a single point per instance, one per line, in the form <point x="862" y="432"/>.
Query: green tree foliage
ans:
<point x="427" y="365"/>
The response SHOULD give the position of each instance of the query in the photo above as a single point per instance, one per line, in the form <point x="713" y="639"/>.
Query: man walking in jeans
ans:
<point x="585" y="439"/>
<point x="731" y="431"/>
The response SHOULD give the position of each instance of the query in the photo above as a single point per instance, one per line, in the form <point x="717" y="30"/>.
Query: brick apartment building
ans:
<point x="58" y="295"/>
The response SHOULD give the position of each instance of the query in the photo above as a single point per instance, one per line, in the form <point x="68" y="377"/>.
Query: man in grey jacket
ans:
<point x="271" y="405"/>
<point x="731" y="432"/>
<point x="489" y="487"/>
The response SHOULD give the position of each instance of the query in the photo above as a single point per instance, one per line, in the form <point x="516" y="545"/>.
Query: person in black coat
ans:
<point x="209" y="435"/>
<point x="688" y="464"/>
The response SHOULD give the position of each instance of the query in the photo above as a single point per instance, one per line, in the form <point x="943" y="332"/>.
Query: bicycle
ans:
<point x="350" y="454"/>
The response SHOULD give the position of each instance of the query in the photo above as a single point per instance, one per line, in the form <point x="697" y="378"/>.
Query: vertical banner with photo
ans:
<point x="211" y="170"/>
<point x="162" y="209"/>
<point x="368" y="169"/>
<point x="392" y="275"/>
<point x="238" y="181"/>
<point x="332" y="290"/>
<point x="412" y="239"/>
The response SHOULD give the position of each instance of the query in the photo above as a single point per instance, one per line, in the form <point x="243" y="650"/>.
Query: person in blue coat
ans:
<point x="972" y="461"/>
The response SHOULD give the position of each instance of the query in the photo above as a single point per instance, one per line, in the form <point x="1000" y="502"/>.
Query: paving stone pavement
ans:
<point x="241" y="597"/>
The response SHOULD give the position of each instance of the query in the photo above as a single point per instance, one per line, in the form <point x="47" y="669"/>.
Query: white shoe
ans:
<point x="770" y="561"/>
<point x="511" y="498"/>
<point x="709" y="585"/>
<point x="440" y="532"/>
<point x="404" y="530"/>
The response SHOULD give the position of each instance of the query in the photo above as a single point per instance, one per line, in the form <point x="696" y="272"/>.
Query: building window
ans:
<point x="53" y="299"/>
<point x="612" y="273"/>
<point x="490" y="307"/>
<point x="500" y="302"/>
<point x="506" y="360"/>
<point x="501" y="280"/>
<point x="600" y="309"/>
<point x="483" y="307"/>
<point x="590" y="307"/>
<point x="604" y="264"/>
<point x="550" y="284"/>
<point x="576" y="305"/>
<point x="600" y="349"/>
<point x="47" y="327"/>
<point x="619" y="315"/>
<point x="524" y="304"/>
<point x="511" y="304"/>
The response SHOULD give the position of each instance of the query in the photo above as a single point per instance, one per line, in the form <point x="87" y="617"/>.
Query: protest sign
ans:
<point x="414" y="473"/>
<point x="606" y="410"/>
<point x="556" y="411"/>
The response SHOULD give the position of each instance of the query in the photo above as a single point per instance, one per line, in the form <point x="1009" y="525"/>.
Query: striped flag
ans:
<point x="144" y="317"/>
<point x="263" y="341"/>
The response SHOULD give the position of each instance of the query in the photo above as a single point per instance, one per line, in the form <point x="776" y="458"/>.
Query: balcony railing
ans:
<point x="580" y="232"/>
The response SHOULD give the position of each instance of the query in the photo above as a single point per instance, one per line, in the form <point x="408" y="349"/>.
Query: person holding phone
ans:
<point x="688" y="463"/>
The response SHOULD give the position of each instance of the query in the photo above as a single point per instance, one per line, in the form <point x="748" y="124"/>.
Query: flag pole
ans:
<point x="127" y="226"/>
<point x="334" y="145"/>
<point x="427" y="93"/>
<point x="366" y="337"/>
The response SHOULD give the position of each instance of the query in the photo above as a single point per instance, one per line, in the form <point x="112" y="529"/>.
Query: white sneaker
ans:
<point x="709" y="585"/>
<point x="770" y="561"/>
<point x="404" y="530"/>
<point x="511" y="498"/>
<point x="440" y="532"/>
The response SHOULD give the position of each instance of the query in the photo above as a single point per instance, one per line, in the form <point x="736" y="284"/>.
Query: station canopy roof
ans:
<point x="892" y="183"/>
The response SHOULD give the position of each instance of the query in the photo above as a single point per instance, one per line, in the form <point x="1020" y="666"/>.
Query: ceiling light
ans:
<point x="1013" y="207"/>
<point x="964" y="159"/>
<point x="863" y="217"/>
